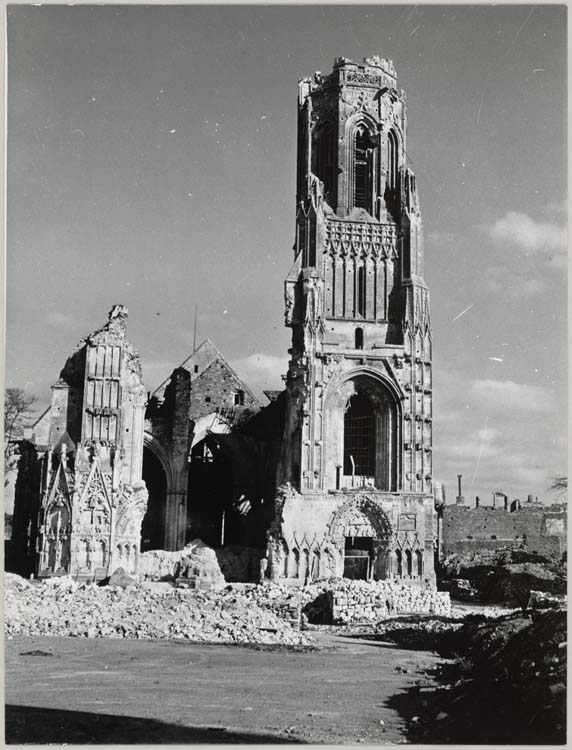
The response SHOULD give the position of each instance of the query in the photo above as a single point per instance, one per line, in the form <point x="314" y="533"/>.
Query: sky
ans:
<point x="151" y="155"/>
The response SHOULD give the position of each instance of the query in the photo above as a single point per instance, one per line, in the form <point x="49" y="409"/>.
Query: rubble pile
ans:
<point x="507" y="685"/>
<point x="286" y="602"/>
<point x="341" y="601"/>
<point x="503" y="577"/>
<point x="60" y="606"/>
<point x="195" y="566"/>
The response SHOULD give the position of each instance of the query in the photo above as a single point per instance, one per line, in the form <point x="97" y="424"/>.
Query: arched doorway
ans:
<point x="361" y="530"/>
<point x="153" y="526"/>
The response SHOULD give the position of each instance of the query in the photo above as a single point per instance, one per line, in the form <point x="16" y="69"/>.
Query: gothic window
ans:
<point x="392" y="186"/>
<point x="419" y="556"/>
<point x="359" y="338"/>
<point x="392" y="161"/>
<point x="324" y="159"/>
<point x="399" y="559"/>
<point x="409" y="560"/>
<point x="363" y="151"/>
<point x="361" y="291"/>
<point x="359" y="437"/>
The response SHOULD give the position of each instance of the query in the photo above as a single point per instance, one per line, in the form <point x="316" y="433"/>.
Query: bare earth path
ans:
<point x="120" y="691"/>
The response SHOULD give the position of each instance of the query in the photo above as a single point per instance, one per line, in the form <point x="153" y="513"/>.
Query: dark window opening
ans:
<point x="361" y="291"/>
<point x="359" y="437"/>
<point x="208" y="399"/>
<point x="196" y="368"/>
<point x="239" y="398"/>
<point x="363" y="150"/>
<point x="409" y="559"/>
<point x="359" y="338"/>
<point x="392" y="185"/>
<point x="419" y="556"/>
<point x="325" y="160"/>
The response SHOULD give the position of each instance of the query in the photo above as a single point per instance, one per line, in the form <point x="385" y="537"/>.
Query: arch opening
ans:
<point x="153" y="526"/>
<point x="363" y="425"/>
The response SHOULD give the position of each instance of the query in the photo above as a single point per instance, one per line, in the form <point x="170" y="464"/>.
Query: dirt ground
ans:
<point x="71" y="690"/>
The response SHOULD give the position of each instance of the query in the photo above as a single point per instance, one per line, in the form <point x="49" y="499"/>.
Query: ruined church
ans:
<point x="333" y="476"/>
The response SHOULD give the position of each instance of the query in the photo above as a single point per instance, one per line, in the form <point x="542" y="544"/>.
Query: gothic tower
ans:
<point x="356" y="459"/>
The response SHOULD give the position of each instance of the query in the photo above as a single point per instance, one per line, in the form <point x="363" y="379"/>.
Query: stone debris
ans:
<point x="120" y="578"/>
<point x="512" y="668"/>
<point x="542" y="600"/>
<point x="341" y="601"/>
<point x="195" y="566"/>
<point x="238" y="613"/>
<point x="63" y="607"/>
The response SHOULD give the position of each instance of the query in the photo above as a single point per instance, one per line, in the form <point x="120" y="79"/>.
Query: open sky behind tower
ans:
<point x="151" y="162"/>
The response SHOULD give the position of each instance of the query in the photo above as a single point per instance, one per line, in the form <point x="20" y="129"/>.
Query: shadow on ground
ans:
<point x="30" y="725"/>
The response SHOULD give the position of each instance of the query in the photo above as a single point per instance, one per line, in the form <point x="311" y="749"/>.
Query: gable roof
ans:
<point x="202" y="358"/>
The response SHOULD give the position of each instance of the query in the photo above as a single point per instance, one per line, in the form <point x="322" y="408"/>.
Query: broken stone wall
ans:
<point x="472" y="529"/>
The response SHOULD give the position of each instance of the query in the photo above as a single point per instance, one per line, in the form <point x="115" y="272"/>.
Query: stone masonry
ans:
<point x="356" y="494"/>
<point x="92" y="496"/>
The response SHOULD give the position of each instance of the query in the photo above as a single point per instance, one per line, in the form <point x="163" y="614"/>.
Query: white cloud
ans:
<point x="261" y="371"/>
<point x="523" y="232"/>
<point x="509" y="397"/>
<point x="497" y="434"/>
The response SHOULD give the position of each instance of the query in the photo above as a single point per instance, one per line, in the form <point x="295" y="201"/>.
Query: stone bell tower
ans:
<point x="359" y="394"/>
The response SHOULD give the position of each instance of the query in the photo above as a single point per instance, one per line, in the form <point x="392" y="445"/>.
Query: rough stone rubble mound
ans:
<point x="239" y="613"/>
<point x="197" y="565"/>
<point x="62" y="607"/>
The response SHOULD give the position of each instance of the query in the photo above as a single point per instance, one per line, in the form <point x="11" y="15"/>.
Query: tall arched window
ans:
<point x="419" y="556"/>
<point x="392" y="161"/>
<point x="409" y="560"/>
<point x="359" y="437"/>
<point x="361" y="291"/>
<point x="392" y="191"/>
<point x="363" y="156"/>
<point x="359" y="338"/>
<point x="399" y="559"/>
<point x="325" y="159"/>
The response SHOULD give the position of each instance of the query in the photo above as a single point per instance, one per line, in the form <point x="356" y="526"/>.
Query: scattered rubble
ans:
<point x="506" y="686"/>
<point x="504" y="577"/>
<point x="63" y="607"/>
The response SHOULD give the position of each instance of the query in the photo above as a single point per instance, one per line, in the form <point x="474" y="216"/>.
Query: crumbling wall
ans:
<point x="485" y="529"/>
